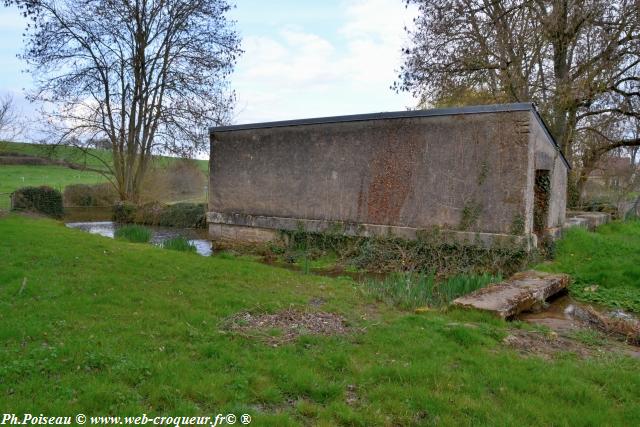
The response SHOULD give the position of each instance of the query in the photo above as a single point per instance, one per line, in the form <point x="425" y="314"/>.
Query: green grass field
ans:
<point x="106" y="327"/>
<point x="13" y="177"/>
<point x="94" y="158"/>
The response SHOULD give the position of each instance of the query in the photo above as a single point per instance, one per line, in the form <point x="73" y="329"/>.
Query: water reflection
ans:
<point x="159" y="234"/>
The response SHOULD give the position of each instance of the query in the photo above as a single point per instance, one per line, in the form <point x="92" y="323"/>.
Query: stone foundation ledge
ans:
<point x="259" y="229"/>
<point x="588" y="220"/>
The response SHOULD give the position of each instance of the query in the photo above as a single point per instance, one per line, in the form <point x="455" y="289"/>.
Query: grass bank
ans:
<point x="604" y="265"/>
<point x="110" y="327"/>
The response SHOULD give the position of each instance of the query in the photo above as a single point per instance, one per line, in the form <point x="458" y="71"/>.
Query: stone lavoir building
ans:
<point x="489" y="172"/>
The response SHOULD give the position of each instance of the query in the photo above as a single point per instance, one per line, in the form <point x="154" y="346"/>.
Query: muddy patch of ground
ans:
<point x="546" y="345"/>
<point x="577" y="328"/>
<point x="286" y="326"/>
<point x="563" y="314"/>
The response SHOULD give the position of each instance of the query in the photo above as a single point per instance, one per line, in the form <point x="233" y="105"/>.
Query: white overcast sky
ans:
<point x="302" y="58"/>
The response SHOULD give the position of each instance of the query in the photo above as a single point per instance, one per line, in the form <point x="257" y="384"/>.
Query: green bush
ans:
<point x="179" y="244"/>
<point x="148" y="213"/>
<point x="43" y="200"/>
<point x="90" y="195"/>
<point x="183" y="215"/>
<point x="133" y="233"/>
<point x="430" y="252"/>
<point x="124" y="212"/>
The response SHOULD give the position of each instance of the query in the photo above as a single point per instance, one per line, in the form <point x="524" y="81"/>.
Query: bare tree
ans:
<point x="10" y="126"/>
<point x="147" y="75"/>
<point x="578" y="60"/>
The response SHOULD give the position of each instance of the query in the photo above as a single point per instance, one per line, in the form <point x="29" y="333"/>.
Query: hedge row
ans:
<point x="184" y="215"/>
<point x="90" y="195"/>
<point x="49" y="202"/>
<point x="44" y="200"/>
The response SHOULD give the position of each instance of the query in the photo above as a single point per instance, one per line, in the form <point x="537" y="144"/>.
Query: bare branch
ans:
<point x="132" y="72"/>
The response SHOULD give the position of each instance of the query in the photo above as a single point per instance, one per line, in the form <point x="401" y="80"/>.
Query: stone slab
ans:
<point x="521" y="292"/>
<point x="590" y="220"/>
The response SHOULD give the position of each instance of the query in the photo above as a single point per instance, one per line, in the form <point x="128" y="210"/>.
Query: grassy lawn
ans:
<point x="106" y="327"/>
<point x="608" y="259"/>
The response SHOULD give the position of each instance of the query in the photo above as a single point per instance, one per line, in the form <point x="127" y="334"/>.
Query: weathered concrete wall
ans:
<point x="548" y="158"/>
<point x="461" y="172"/>
<point x="465" y="172"/>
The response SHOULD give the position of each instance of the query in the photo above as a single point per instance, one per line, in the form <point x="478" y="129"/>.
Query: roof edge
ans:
<point x="553" y="141"/>
<point x="435" y="112"/>
<point x="476" y="109"/>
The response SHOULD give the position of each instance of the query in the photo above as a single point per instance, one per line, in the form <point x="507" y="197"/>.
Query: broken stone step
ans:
<point x="588" y="220"/>
<point x="521" y="292"/>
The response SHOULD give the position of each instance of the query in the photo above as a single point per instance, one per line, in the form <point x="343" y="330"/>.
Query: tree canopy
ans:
<point x="578" y="60"/>
<point x="147" y="75"/>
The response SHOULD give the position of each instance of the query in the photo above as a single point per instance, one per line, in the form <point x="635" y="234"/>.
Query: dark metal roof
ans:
<point x="477" y="109"/>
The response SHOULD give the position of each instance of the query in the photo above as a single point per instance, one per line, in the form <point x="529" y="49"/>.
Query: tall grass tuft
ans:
<point x="412" y="290"/>
<point x="133" y="233"/>
<point x="179" y="244"/>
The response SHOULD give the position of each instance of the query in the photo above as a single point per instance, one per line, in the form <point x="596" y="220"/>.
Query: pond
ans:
<point x="159" y="234"/>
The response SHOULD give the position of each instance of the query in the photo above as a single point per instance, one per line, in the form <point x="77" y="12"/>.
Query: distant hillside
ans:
<point x="92" y="158"/>
<point x="59" y="166"/>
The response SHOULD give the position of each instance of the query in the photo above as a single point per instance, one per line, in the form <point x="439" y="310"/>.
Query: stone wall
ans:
<point x="548" y="158"/>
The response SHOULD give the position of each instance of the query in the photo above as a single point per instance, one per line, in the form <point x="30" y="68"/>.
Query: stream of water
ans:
<point x="197" y="238"/>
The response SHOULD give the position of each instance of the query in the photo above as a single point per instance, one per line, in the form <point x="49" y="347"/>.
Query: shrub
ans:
<point x="43" y="200"/>
<point x="185" y="177"/>
<point x="184" y="215"/>
<point x="133" y="233"/>
<point x="431" y="252"/>
<point x="124" y="212"/>
<point x="179" y="244"/>
<point x="148" y="213"/>
<point x="178" y="179"/>
<point x="90" y="195"/>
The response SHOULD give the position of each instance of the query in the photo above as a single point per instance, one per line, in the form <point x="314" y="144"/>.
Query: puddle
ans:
<point x="563" y="312"/>
<point x="159" y="234"/>
<point x="556" y="316"/>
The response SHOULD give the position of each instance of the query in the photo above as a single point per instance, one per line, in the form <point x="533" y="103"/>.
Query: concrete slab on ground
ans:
<point x="522" y="292"/>
<point x="588" y="220"/>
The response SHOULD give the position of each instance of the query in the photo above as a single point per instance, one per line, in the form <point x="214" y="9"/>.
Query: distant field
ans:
<point x="91" y="158"/>
<point x="13" y="177"/>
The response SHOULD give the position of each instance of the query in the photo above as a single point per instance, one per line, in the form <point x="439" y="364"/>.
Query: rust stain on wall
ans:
<point x="391" y="173"/>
